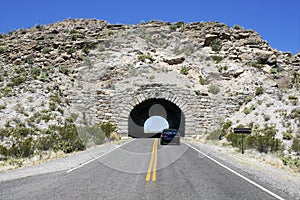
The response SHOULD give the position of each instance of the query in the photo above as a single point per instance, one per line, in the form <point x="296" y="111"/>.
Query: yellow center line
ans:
<point x="153" y="162"/>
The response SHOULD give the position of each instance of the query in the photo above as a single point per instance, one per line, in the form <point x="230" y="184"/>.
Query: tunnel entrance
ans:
<point x="155" y="107"/>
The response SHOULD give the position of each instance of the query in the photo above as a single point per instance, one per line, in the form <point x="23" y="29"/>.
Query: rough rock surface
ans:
<point x="74" y="68"/>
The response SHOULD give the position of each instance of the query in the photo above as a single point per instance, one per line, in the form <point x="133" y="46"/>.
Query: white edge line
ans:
<point x="83" y="164"/>
<point x="236" y="173"/>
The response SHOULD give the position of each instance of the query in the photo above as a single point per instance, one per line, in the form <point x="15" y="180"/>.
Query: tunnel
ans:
<point x="155" y="107"/>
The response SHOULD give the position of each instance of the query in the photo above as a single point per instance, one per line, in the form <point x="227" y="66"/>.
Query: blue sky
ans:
<point x="277" y="21"/>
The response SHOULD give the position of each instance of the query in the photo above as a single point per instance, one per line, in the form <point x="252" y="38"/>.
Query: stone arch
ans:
<point x="159" y="107"/>
<point x="195" y="109"/>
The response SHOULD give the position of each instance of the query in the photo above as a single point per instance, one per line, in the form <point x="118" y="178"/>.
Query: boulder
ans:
<point x="174" y="61"/>
<point x="263" y="56"/>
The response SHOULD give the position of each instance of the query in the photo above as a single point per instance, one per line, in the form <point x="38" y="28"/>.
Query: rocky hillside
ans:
<point x="42" y="69"/>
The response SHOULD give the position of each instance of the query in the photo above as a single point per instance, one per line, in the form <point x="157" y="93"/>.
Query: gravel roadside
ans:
<point x="262" y="168"/>
<point x="66" y="163"/>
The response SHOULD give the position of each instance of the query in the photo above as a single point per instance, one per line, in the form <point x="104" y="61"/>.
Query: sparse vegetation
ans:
<point x="259" y="91"/>
<point x="63" y="70"/>
<point x="184" y="70"/>
<point x="237" y="27"/>
<point x="256" y="65"/>
<point x="248" y="110"/>
<point x="248" y="99"/>
<point x="216" y="45"/>
<point x="108" y="128"/>
<point x="213" y="89"/>
<point x="217" y="59"/>
<point x="144" y="57"/>
<point x="202" y="80"/>
<point x="263" y="140"/>
<point x="197" y="92"/>
<point x="3" y="49"/>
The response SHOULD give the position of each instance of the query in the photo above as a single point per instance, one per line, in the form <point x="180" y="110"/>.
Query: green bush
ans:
<point x="68" y="140"/>
<point x="216" y="45"/>
<point x="21" y="149"/>
<point x="237" y="27"/>
<point x="248" y="99"/>
<point x="3" y="49"/>
<point x="202" y="80"/>
<point x="35" y="72"/>
<point x="143" y="57"/>
<point x="287" y="136"/>
<point x="292" y="163"/>
<point x="217" y="59"/>
<point x="108" y="128"/>
<point x="46" y="50"/>
<point x="291" y="97"/>
<point x="92" y="134"/>
<point x="55" y="97"/>
<point x="63" y="70"/>
<point x="248" y="110"/>
<point x="184" y="70"/>
<point x="257" y="65"/>
<point x="263" y="140"/>
<point x="296" y="145"/>
<point x="213" y="89"/>
<point x="18" y="80"/>
<point x="213" y="135"/>
<point x="259" y="91"/>
<point x="197" y="92"/>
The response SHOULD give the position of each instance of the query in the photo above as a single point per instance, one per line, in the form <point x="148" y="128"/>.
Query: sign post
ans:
<point x="242" y="131"/>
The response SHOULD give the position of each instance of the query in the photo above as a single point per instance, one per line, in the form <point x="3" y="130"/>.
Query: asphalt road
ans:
<point x="139" y="169"/>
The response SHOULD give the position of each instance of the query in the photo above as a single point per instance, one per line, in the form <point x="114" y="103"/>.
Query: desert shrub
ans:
<point x="213" y="134"/>
<point x="46" y="50"/>
<point x="202" y="80"/>
<point x="35" y="72"/>
<point x="68" y="140"/>
<point x="115" y="136"/>
<point x="174" y="26"/>
<point x="291" y="97"/>
<point x="88" y="46"/>
<point x="248" y="110"/>
<point x="292" y="163"/>
<point x="216" y="45"/>
<point x="217" y="59"/>
<point x="259" y="91"/>
<point x="213" y="89"/>
<point x="63" y="69"/>
<point x="55" y="97"/>
<point x="3" y="151"/>
<point x="263" y="140"/>
<point x="256" y="65"/>
<point x="46" y="143"/>
<point x="225" y="127"/>
<point x="184" y="70"/>
<point x="92" y="134"/>
<point x="237" y="27"/>
<point x="21" y="149"/>
<point x="296" y="145"/>
<point x="144" y="57"/>
<point x="18" y="80"/>
<point x="2" y="107"/>
<point x="197" y="92"/>
<point x="3" y="49"/>
<point x="287" y="136"/>
<point x="108" y="128"/>
<point x="248" y="99"/>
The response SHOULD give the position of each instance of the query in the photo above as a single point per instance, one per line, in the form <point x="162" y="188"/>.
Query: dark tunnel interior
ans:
<point x="155" y="107"/>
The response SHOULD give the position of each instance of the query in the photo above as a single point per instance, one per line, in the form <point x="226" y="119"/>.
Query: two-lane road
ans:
<point x="139" y="169"/>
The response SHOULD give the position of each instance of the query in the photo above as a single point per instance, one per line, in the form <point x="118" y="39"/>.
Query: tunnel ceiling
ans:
<point x="154" y="107"/>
